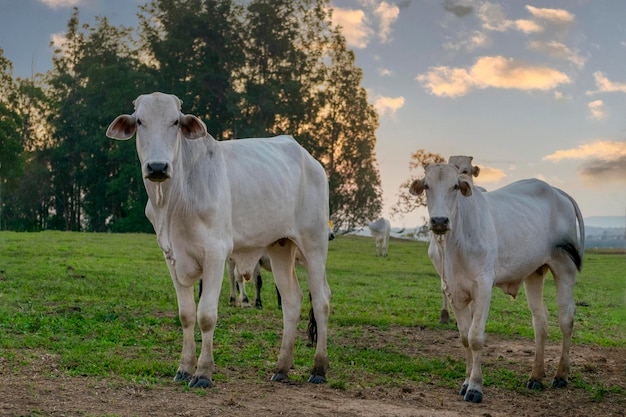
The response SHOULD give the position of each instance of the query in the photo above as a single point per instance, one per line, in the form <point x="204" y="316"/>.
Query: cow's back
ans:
<point x="531" y="219"/>
<point x="276" y="185"/>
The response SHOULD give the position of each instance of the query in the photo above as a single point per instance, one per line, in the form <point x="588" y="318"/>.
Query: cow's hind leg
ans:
<point x="320" y="303"/>
<point x="258" y="284"/>
<point x="564" y="278"/>
<point x="444" y="315"/>
<point x="534" y="294"/>
<point x="282" y="255"/>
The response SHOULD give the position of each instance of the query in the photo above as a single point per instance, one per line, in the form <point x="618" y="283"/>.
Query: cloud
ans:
<point x="55" y="4"/>
<point x="555" y="16"/>
<point x="495" y="72"/>
<point x="385" y="72"/>
<point x="468" y="41"/>
<point x="387" y="14"/>
<point x="557" y="50"/>
<point x="353" y="26"/>
<point x="388" y="105"/>
<point x="604" y="85"/>
<point x="458" y="8"/>
<point x="600" y="149"/>
<point x="597" y="110"/>
<point x="489" y="174"/>
<point x="604" y="160"/>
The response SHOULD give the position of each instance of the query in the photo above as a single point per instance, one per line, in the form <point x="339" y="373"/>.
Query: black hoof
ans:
<point x="444" y="317"/>
<point x="280" y="377"/>
<point x="258" y="304"/>
<point x="463" y="389"/>
<point x="317" y="379"/>
<point x="559" y="383"/>
<point x="534" y="384"/>
<point x="200" y="382"/>
<point x="473" y="396"/>
<point x="182" y="376"/>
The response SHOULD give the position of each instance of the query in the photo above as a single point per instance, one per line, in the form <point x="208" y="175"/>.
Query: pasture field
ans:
<point x="92" y="319"/>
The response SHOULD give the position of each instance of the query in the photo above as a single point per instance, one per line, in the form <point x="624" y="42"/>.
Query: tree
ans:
<point x="346" y="133"/>
<point x="193" y="49"/>
<point x="11" y="162"/>
<point x="94" y="73"/>
<point x="406" y="202"/>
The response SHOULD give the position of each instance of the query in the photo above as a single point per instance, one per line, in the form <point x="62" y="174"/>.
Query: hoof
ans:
<point x="182" y="376"/>
<point x="463" y="389"/>
<point x="534" y="384"/>
<point x="444" y="317"/>
<point x="258" y="304"/>
<point x="473" y="396"/>
<point x="280" y="377"/>
<point x="200" y="382"/>
<point x="559" y="383"/>
<point x="317" y="379"/>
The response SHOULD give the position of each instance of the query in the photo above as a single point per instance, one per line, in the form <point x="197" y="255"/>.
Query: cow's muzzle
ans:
<point x="157" y="171"/>
<point x="439" y="225"/>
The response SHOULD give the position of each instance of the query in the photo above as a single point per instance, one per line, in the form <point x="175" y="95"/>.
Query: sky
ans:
<point x="530" y="89"/>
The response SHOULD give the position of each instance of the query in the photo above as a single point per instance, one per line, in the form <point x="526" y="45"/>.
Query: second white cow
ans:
<point x="502" y="238"/>
<point x="381" y="229"/>
<point x="199" y="193"/>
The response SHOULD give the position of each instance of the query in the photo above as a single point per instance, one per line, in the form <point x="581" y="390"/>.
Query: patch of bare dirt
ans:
<point x="40" y="387"/>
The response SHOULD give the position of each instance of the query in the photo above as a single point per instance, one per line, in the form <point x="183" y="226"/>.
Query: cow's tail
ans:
<point x="576" y="253"/>
<point x="312" y="327"/>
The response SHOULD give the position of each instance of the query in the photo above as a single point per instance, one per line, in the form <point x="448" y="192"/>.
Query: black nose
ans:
<point x="157" y="171"/>
<point x="439" y="225"/>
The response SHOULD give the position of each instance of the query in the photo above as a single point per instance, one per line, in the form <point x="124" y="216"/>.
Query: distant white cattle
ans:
<point x="502" y="238"/>
<point x="199" y="194"/>
<point x="381" y="229"/>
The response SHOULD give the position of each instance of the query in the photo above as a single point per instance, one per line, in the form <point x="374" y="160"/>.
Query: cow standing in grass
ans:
<point x="502" y="238"/>
<point x="199" y="194"/>
<point x="381" y="229"/>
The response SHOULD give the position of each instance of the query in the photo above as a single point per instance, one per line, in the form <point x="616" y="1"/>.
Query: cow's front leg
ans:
<point x="207" y="319"/>
<point x="187" y="315"/>
<point x="472" y="389"/>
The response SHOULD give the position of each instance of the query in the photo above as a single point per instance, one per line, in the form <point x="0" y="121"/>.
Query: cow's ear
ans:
<point x="191" y="127"/>
<point x="475" y="171"/>
<point x="122" y="128"/>
<point x="465" y="185"/>
<point x="417" y="187"/>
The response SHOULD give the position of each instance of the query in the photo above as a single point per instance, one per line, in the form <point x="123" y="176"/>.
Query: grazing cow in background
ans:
<point x="199" y="193"/>
<point x="502" y="238"/>
<point x="381" y="229"/>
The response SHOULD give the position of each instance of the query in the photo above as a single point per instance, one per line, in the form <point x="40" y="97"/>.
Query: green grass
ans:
<point x="104" y="304"/>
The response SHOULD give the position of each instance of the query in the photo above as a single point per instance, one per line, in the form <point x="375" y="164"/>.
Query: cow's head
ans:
<point x="442" y="183"/>
<point x="157" y="120"/>
<point x="464" y="164"/>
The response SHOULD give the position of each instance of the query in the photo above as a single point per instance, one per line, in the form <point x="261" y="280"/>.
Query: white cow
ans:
<point x="464" y="164"/>
<point x="199" y="193"/>
<point x="381" y="229"/>
<point x="502" y="238"/>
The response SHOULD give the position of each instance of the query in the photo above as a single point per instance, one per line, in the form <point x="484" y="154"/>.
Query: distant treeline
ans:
<point x="246" y="68"/>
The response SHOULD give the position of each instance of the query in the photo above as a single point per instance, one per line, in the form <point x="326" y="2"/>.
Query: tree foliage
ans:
<point x="406" y="202"/>
<point x="246" y="68"/>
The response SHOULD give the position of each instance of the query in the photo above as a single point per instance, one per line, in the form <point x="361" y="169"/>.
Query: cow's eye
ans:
<point x="176" y="122"/>
<point x="456" y="186"/>
<point x="138" y="122"/>
<point x="426" y="187"/>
